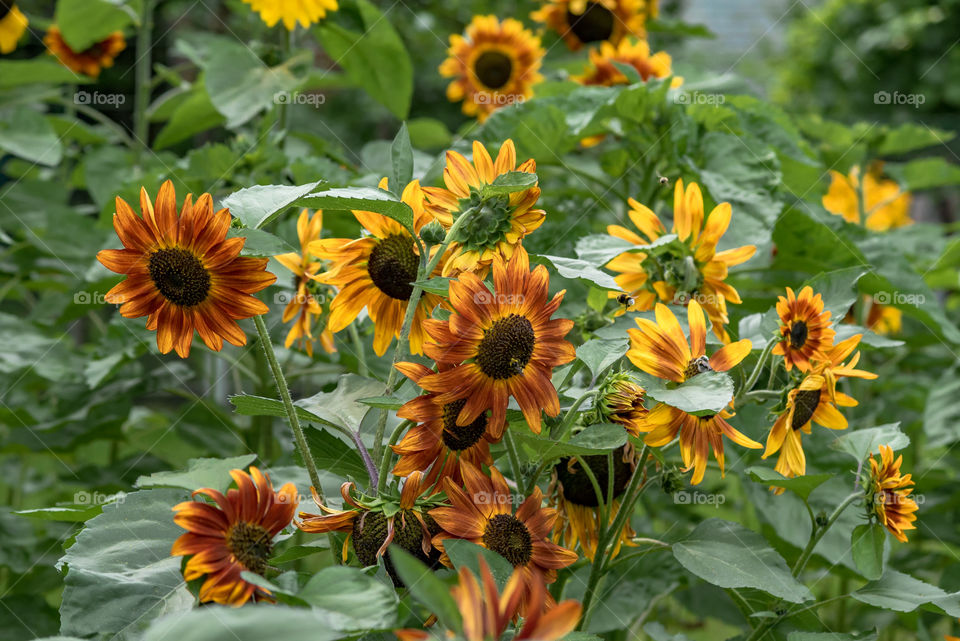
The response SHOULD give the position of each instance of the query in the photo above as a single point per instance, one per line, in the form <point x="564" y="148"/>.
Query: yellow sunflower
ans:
<point x="494" y="64"/>
<point x="884" y="319"/>
<point x="233" y="537"/>
<point x="805" y="329"/>
<point x="885" y="205"/>
<point x="377" y="272"/>
<point x="661" y="349"/>
<point x="12" y="25"/>
<point x="498" y="224"/>
<point x="304" y="309"/>
<point x="306" y="12"/>
<point x="183" y="272"/>
<point x="91" y="60"/>
<point x="602" y="71"/>
<point x="581" y="22"/>
<point x="696" y="270"/>
<point x="484" y="515"/>
<point x="889" y="492"/>
<point x="499" y="345"/>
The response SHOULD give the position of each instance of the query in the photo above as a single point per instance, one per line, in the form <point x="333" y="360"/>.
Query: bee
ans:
<point x="664" y="180"/>
<point x="625" y="300"/>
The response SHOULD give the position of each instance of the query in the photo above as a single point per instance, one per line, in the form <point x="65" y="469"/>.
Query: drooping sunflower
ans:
<point x="603" y="71"/>
<point x="437" y="443"/>
<point x="494" y="64"/>
<point x="91" y="60"/>
<point x="661" y="349"/>
<point x="377" y="272"/>
<point x="306" y="12"/>
<point x="234" y="537"/>
<point x="620" y="400"/>
<point x="12" y="25"/>
<point x="497" y="224"/>
<point x="585" y="22"/>
<point x="183" y="272"/>
<point x="484" y="515"/>
<point x="805" y="328"/>
<point x="888" y="494"/>
<point x="691" y="269"/>
<point x="885" y="205"/>
<point x="499" y="345"/>
<point x="814" y="400"/>
<point x="304" y="308"/>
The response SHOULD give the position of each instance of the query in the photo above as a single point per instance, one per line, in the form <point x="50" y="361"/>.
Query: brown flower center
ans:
<point x="696" y="366"/>
<point x="251" y="544"/>
<point x="798" y="334"/>
<point x="461" y="437"/>
<point x="594" y="24"/>
<point x="804" y="405"/>
<point x="509" y="537"/>
<point x="493" y="69"/>
<point x="5" y="8"/>
<point x="506" y="347"/>
<point x="393" y="266"/>
<point x="576" y="485"/>
<point x="179" y="276"/>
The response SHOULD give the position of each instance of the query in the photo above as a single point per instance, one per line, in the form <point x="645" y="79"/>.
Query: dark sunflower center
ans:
<point x="506" y="347"/>
<point x="493" y="69"/>
<point x="179" y="276"/>
<point x="594" y="24"/>
<point x="576" y="485"/>
<point x="393" y="266"/>
<point x="696" y="366"/>
<point x="461" y="437"/>
<point x="5" y="8"/>
<point x="509" y="537"/>
<point x="804" y="405"/>
<point x="251" y="544"/>
<point x="798" y="334"/>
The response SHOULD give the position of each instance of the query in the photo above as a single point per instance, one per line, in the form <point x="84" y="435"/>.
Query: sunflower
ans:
<point x="183" y="272"/>
<point x="377" y="272"/>
<point x="304" y="308"/>
<point x="690" y="269"/>
<point x="804" y="328"/>
<point x="235" y="538"/>
<point x="885" y="205"/>
<point x="662" y="350"/>
<point x="492" y="65"/>
<point x="888" y="493"/>
<point x="814" y="400"/>
<point x="12" y="25"/>
<point x="884" y="319"/>
<point x="581" y="22"/>
<point x="306" y="12"/>
<point x="499" y="345"/>
<point x="621" y="400"/>
<point x="437" y="443"/>
<point x="603" y="71"/>
<point x="91" y="60"/>
<point x="483" y="514"/>
<point x="497" y="224"/>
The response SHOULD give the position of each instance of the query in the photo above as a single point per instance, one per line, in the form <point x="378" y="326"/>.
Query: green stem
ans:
<point x="361" y="354"/>
<point x="573" y="369"/>
<point x="141" y="97"/>
<point x="571" y="415"/>
<point x="532" y="483"/>
<point x="513" y="454"/>
<point x="755" y="374"/>
<point x="601" y="501"/>
<point x="818" y="533"/>
<point x="385" y="461"/>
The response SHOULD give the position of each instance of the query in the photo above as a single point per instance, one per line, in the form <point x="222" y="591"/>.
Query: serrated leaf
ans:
<point x="342" y="406"/>
<point x="510" y="182"/>
<point x="426" y="587"/>
<point x="867" y="548"/>
<point x="200" y="472"/>
<point x="249" y="623"/>
<point x="576" y="268"/>
<point x="401" y="160"/>
<point x="355" y="601"/>
<point x="903" y="593"/>
<point x="595" y="439"/>
<point x="464" y="553"/>
<point x="361" y="198"/>
<point x="704" y="394"/>
<point x="258" y="205"/>
<point x="600" y="353"/>
<point x="862" y="443"/>
<point x="802" y="486"/>
<point x="260" y="244"/>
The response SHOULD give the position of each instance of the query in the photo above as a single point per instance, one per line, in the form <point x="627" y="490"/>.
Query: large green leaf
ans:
<point x="401" y="160"/>
<point x="704" y="394"/>
<point x="941" y="414"/>
<point x="240" y="85"/>
<point x="27" y="134"/>
<point x="838" y="290"/>
<point x="352" y="599"/>
<point x="84" y="23"/>
<point x="867" y="548"/>
<point x="342" y="406"/>
<point x="200" y="472"/>
<point x="729" y="555"/>
<point x="14" y="73"/>
<point x="576" y="268"/>
<point x="361" y="198"/>
<point x="596" y="439"/>
<point x="426" y="587"/>
<point x="801" y="485"/>
<point x="600" y="353"/>
<point x="862" y="443"/>
<point x="194" y="114"/>
<point x="249" y="623"/>
<point x="256" y="206"/>
<point x="466" y="554"/>
<point x="903" y="593"/>
<point x="334" y="455"/>
<point x="796" y="635"/>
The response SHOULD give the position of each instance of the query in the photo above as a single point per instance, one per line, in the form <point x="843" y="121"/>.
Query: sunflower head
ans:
<point x="804" y="329"/>
<point x="603" y="71"/>
<point x="620" y="400"/>
<point x="13" y="24"/>
<point x="305" y="12"/>
<point x="586" y="22"/>
<point x="888" y="494"/>
<point x="884" y="205"/>
<point x="89" y="61"/>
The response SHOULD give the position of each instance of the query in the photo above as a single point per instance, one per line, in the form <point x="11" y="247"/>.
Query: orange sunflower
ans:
<point x="91" y="60"/>
<point x="585" y="22"/>
<point x="497" y="224"/>
<point x="13" y="24"/>
<point x="499" y="345"/>
<point x="484" y="515"/>
<point x="183" y="272"/>
<point x="437" y="443"/>
<point x="377" y="272"/>
<point x="494" y="64"/>
<point x="888" y="492"/>
<point x="304" y="309"/>
<point x="805" y="329"/>
<point x="603" y="71"/>
<point x="662" y="350"/>
<point x="690" y="269"/>
<point x="235" y="538"/>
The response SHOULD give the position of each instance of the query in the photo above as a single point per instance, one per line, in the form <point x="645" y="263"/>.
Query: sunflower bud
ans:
<point x="671" y="481"/>
<point x="620" y="400"/>
<point x="433" y="233"/>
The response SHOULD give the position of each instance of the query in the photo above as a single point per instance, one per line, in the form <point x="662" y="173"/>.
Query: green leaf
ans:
<point x="796" y="635"/>
<point x="439" y="285"/>
<point x="429" y="134"/>
<point x="120" y="573"/>
<point x="353" y="600"/>
<point x="910" y="137"/>
<point x="838" y="288"/>
<point x="361" y="198"/>
<point x="240" y="85"/>
<point x="600" y="353"/>
<point x="401" y="158"/>
<point x="867" y="548"/>
<point x="67" y="513"/>
<point x="510" y="182"/>
<point x="729" y="555"/>
<point x="704" y="394"/>
<point x="382" y="402"/>
<point x="192" y="116"/>
<point x="15" y="73"/>
<point x="941" y="414"/>
<point x="759" y="328"/>
<point x="256" y="206"/>
<point x="925" y="173"/>
<point x="801" y="485"/>
<point x="596" y="439"/>
<point x="600" y="249"/>
<point x="903" y="593"/>
<point x="342" y="406"/>
<point x="249" y="405"/>
<point x="375" y="59"/>
<point x="27" y="134"/>
<point x="84" y="23"/>
<point x="260" y="243"/>
<point x="334" y="455"/>
<point x="576" y="268"/>
<point x="863" y="443"/>
<point x="249" y="623"/>
<point x="200" y="472"/>
<point x="426" y="587"/>
<point x="464" y="553"/>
